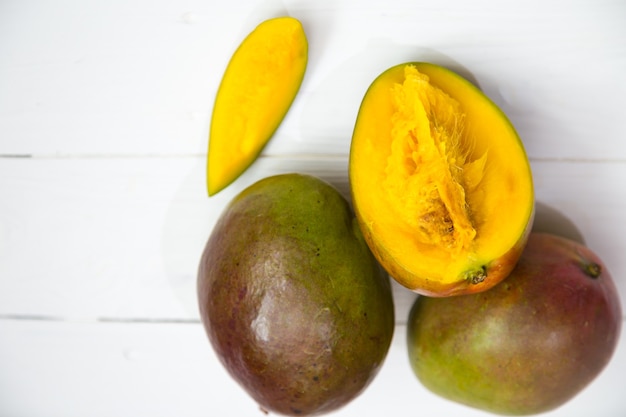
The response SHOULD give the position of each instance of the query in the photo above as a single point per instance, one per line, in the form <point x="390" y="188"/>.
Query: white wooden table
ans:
<point x="104" y="114"/>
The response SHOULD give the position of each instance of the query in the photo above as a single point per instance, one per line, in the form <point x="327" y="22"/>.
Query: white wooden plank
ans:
<point x="68" y="369"/>
<point x="87" y="236"/>
<point x="139" y="77"/>
<point x="120" y="238"/>
<point x="113" y="237"/>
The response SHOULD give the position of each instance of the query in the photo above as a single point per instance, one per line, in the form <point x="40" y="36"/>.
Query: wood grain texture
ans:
<point x="104" y="116"/>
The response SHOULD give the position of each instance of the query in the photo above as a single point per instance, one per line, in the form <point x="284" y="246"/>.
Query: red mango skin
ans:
<point x="529" y="344"/>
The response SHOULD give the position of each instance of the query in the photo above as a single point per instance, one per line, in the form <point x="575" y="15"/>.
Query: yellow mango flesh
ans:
<point x="440" y="181"/>
<point x="256" y="91"/>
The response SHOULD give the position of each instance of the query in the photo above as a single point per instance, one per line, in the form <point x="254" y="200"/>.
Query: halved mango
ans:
<point x="257" y="89"/>
<point x="440" y="181"/>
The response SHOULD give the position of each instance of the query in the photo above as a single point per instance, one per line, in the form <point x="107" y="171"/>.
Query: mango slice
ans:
<point x="441" y="183"/>
<point x="257" y="89"/>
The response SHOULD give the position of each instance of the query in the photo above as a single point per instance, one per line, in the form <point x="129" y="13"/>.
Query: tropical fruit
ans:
<point x="257" y="89"/>
<point x="294" y="304"/>
<point x="529" y="344"/>
<point x="441" y="184"/>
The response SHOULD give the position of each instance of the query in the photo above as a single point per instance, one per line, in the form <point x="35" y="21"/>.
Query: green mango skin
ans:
<point x="293" y="302"/>
<point x="529" y="344"/>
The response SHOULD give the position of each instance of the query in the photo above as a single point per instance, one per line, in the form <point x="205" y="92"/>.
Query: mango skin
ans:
<point x="292" y="300"/>
<point x="529" y="344"/>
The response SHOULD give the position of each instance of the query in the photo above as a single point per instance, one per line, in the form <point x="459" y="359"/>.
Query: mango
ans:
<point x="293" y="302"/>
<point x="529" y="344"/>
<point x="258" y="87"/>
<point x="441" y="183"/>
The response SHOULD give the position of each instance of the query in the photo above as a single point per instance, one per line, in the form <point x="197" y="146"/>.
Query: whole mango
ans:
<point x="293" y="302"/>
<point x="527" y="345"/>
